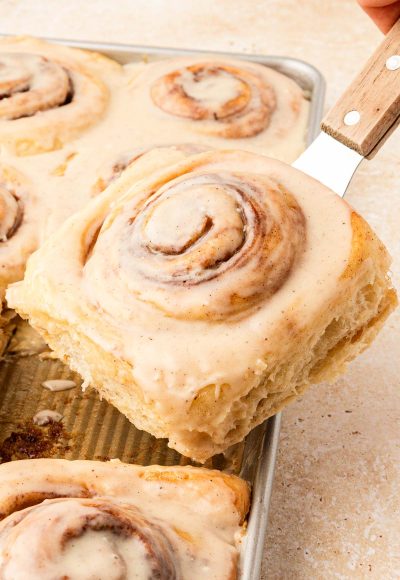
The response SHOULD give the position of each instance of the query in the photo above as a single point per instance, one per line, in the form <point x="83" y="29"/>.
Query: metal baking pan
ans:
<point x="93" y="429"/>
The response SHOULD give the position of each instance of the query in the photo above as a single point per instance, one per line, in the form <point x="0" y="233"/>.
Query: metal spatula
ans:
<point x="359" y="121"/>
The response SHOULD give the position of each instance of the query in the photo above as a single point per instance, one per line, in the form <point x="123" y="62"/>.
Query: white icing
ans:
<point x="192" y="523"/>
<point x="46" y="416"/>
<point x="58" y="385"/>
<point x="46" y="82"/>
<point x="174" y="357"/>
<point x="283" y="138"/>
<point x="212" y="91"/>
<point x="66" y="178"/>
<point x="98" y="556"/>
<point x="91" y="555"/>
<point x="42" y="117"/>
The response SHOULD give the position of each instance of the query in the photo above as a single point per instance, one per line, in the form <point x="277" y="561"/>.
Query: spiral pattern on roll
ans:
<point x="59" y="531"/>
<point x="31" y="83"/>
<point x="208" y="245"/>
<point x="234" y="102"/>
<point x="49" y="94"/>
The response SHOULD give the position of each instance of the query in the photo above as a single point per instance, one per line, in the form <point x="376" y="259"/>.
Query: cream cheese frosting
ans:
<point x="184" y="330"/>
<point x="131" y="124"/>
<point x="114" y="520"/>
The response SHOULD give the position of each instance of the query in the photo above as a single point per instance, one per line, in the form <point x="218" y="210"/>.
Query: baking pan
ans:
<point x="93" y="429"/>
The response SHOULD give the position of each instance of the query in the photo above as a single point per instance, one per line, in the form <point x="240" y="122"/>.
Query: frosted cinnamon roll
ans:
<point x="201" y="297"/>
<point x="49" y="94"/>
<point x="68" y="179"/>
<point x="89" y="519"/>
<point x="236" y="102"/>
<point x="220" y="102"/>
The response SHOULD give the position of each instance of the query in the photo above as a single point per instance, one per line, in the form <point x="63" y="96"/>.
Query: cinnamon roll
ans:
<point x="89" y="519"/>
<point x="202" y="296"/>
<point x="49" y="94"/>
<point x="220" y="102"/>
<point x="70" y="181"/>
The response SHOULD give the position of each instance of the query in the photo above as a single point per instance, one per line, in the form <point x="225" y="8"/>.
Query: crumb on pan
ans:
<point x="30" y="441"/>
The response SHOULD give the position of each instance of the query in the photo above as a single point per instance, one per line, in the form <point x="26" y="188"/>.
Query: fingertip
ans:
<point x="384" y="17"/>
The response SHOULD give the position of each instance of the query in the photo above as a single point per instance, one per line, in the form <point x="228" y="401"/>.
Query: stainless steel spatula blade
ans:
<point x="357" y="123"/>
<point x="329" y="161"/>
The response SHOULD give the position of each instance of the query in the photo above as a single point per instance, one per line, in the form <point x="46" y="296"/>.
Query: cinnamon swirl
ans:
<point x="66" y="180"/>
<point x="49" y="94"/>
<point x="201" y="297"/>
<point x="19" y="224"/>
<point x="221" y="103"/>
<point x="86" y="519"/>
<point x="19" y="232"/>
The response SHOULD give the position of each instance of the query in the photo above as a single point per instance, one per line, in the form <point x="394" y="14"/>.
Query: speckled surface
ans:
<point x="336" y="505"/>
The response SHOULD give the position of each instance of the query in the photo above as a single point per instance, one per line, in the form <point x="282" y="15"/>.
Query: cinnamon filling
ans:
<point x="206" y="245"/>
<point x="235" y="102"/>
<point x="11" y="213"/>
<point x="30" y="84"/>
<point x="25" y="500"/>
<point x="124" y="541"/>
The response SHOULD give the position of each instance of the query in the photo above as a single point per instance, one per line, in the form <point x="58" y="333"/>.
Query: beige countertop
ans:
<point x="336" y="504"/>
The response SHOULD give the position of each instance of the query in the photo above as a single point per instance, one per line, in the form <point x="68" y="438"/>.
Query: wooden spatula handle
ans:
<point x="371" y="104"/>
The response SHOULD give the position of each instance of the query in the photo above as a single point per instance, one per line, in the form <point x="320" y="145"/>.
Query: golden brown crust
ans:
<point x="55" y="478"/>
<point x="241" y="497"/>
<point x="364" y="245"/>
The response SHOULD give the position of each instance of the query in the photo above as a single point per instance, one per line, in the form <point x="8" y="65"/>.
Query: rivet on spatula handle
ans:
<point x="371" y="104"/>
